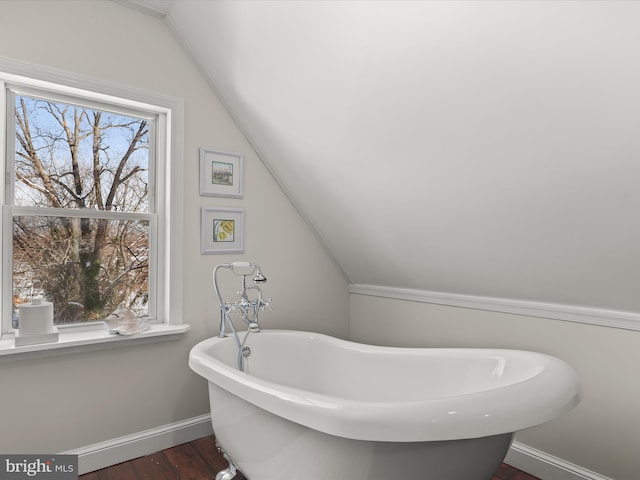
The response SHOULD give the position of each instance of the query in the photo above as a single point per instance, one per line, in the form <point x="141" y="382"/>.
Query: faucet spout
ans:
<point x="247" y="308"/>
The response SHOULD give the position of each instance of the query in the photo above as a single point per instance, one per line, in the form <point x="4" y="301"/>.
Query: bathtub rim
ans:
<point x="517" y="406"/>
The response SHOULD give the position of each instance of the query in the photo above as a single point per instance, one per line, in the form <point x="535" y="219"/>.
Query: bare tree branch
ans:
<point x="65" y="159"/>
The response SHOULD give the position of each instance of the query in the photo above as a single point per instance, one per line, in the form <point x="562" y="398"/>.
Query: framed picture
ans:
<point x="222" y="230"/>
<point x="220" y="173"/>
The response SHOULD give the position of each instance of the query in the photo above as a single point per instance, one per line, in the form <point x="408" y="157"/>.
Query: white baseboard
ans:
<point x="121" y="449"/>
<point x="545" y="466"/>
<point x="117" y="450"/>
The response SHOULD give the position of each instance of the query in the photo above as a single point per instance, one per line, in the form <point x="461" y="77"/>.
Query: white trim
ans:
<point x="121" y="449"/>
<point x="34" y="80"/>
<point x="543" y="465"/>
<point x="117" y="450"/>
<point x="569" y="313"/>
<point x="79" y="213"/>
<point x="89" y="336"/>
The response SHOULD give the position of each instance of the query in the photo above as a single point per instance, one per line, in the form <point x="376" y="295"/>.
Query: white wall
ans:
<point x="480" y="147"/>
<point x="69" y="401"/>
<point x="602" y="434"/>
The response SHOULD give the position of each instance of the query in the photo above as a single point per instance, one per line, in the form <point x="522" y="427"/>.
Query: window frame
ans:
<point x="166" y="197"/>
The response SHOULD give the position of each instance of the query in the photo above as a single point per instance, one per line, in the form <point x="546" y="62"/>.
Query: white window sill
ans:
<point x="90" y="337"/>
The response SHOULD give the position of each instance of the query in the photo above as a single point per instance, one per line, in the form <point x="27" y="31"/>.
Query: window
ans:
<point x="91" y="181"/>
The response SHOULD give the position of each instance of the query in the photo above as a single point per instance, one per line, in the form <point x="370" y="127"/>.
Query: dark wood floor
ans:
<point x="200" y="460"/>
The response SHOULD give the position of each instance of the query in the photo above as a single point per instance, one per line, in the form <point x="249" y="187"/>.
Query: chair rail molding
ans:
<point x="569" y="313"/>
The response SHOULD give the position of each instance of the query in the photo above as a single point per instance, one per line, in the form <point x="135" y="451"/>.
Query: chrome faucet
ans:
<point x="247" y="308"/>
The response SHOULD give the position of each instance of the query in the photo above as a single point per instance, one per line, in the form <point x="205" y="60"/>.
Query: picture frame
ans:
<point x="221" y="173"/>
<point x="222" y="230"/>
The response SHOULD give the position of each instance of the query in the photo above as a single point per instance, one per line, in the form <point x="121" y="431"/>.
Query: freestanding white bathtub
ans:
<point x="314" y="407"/>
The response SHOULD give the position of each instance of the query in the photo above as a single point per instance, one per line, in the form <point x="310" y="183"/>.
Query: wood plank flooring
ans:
<point x="200" y="460"/>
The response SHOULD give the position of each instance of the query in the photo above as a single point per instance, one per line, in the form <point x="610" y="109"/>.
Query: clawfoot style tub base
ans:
<point x="227" y="473"/>
<point x="263" y="446"/>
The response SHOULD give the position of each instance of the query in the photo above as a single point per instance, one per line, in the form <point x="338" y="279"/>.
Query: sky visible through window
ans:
<point x="47" y="125"/>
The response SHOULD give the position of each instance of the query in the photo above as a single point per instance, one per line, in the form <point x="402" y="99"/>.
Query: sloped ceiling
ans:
<point x="482" y="147"/>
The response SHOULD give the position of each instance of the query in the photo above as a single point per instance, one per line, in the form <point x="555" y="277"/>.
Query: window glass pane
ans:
<point x="85" y="266"/>
<point x="70" y="156"/>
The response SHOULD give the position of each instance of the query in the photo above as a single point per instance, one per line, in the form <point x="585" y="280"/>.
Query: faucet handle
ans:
<point x="231" y="307"/>
<point x="265" y="304"/>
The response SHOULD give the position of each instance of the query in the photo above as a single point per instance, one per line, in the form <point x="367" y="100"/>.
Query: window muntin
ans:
<point x="100" y="161"/>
